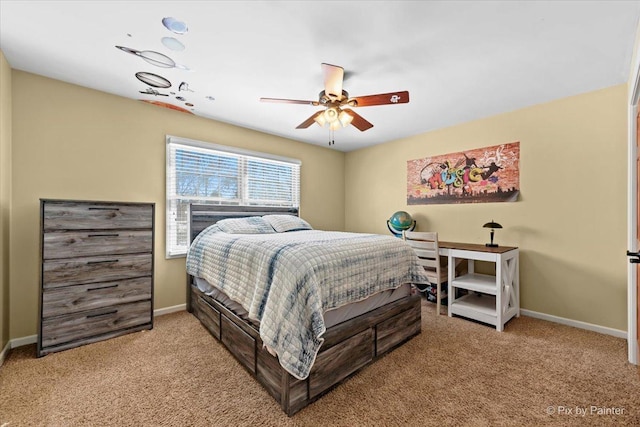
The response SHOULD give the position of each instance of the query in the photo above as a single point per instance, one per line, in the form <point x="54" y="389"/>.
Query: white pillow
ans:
<point x="248" y="225"/>
<point x="283" y="223"/>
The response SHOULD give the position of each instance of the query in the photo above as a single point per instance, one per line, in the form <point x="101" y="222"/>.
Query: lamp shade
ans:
<point x="331" y="114"/>
<point x="320" y="120"/>
<point x="492" y="225"/>
<point x="345" y="118"/>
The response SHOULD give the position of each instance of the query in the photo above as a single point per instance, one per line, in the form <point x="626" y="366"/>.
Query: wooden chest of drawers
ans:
<point x="96" y="277"/>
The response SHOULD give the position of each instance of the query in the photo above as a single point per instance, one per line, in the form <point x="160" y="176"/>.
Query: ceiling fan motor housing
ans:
<point x="328" y="98"/>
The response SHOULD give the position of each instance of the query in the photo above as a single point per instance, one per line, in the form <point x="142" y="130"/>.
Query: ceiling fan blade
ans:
<point x="311" y="120"/>
<point x="358" y="121"/>
<point x="333" y="77"/>
<point x="289" y="101"/>
<point x="379" y="99"/>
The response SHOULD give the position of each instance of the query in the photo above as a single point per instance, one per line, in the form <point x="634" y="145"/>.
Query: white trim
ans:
<point x="631" y="235"/>
<point x="632" y="213"/>
<point x="19" y="342"/>
<point x="32" y="339"/>
<point x="241" y="169"/>
<point x="168" y="310"/>
<point x="575" y="323"/>
<point x="4" y="352"/>
<point x="14" y="343"/>
<point x="235" y="150"/>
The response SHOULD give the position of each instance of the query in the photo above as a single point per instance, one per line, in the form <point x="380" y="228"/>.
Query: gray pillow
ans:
<point x="283" y="223"/>
<point x="248" y="225"/>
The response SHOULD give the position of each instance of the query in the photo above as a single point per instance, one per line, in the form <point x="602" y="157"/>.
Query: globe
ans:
<point x="399" y="222"/>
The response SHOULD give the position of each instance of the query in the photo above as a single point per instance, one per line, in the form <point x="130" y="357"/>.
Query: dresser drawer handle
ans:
<point x="89" y="316"/>
<point x="103" y="209"/>
<point x="104" y="235"/>
<point x="102" y="262"/>
<point x="104" y="287"/>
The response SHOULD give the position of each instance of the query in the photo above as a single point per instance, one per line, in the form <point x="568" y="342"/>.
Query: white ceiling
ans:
<point x="459" y="60"/>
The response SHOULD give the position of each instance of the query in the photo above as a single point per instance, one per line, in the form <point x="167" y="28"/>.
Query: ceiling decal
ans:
<point x="184" y="86"/>
<point x="154" y="92"/>
<point x="175" y="26"/>
<point x="172" y="43"/>
<point x="155" y="58"/>
<point x="152" y="57"/>
<point x="162" y="60"/>
<point x="153" y="79"/>
<point x="167" y="105"/>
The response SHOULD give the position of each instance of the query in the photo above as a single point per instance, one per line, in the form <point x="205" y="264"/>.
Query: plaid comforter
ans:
<point x="287" y="280"/>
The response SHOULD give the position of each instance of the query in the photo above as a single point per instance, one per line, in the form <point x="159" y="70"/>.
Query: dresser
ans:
<point x="96" y="278"/>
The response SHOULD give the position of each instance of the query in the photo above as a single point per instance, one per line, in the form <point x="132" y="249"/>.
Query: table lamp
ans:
<point x="492" y="225"/>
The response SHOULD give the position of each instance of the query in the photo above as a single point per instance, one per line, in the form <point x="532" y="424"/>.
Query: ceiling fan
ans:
<point x="336" y="100"/>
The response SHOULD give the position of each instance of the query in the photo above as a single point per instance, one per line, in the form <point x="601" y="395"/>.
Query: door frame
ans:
<point x="632" y="217"/>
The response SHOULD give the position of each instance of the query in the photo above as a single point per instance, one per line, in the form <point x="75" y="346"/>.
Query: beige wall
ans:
<point x="570" y="221"/>
<point x="5" y="195"/>
<point x="76" y="143"/>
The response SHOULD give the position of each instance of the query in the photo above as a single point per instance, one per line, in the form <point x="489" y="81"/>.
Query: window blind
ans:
<point x="200" y="172"/>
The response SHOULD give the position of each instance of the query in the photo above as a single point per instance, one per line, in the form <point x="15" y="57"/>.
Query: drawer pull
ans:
<point x="89" y="316"/>
<point x="103" y="209"/>
<point x="102" y="262"/>
<point x="104" y="235"/>
<point x="104" y="287"/>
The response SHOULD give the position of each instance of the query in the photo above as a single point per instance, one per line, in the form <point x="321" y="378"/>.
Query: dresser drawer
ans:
<point x="71" y="299"/>
<point x="100" y="216"/>
<point x="84" y="270"/>
<point x="71" y="327"/>
<point x="87" y="243"/>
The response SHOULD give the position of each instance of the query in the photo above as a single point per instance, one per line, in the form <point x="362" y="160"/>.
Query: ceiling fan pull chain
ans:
<point x="331" y="141"/>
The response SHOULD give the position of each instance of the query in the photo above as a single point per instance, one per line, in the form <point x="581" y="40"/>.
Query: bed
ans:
<point x="280" y="298"/>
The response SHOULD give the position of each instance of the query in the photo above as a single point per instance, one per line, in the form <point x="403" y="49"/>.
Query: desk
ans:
<point x="491" y="299"/>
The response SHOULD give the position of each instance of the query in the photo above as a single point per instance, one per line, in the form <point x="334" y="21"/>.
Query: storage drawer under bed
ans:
<point x="347" y="348"/>
<point x="208" y="315"/>
<point x="240" y="343"/>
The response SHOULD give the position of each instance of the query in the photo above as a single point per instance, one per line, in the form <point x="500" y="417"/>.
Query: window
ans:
<point x="199" y="172"/>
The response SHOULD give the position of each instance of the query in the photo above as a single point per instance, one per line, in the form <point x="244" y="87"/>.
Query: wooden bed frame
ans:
<point x="347" y="347"/>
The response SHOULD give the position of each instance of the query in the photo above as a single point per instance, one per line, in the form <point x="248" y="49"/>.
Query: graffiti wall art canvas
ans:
<point x="481" y="175"/>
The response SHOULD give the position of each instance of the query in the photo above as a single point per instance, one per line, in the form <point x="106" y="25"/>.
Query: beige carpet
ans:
<point x="456" y="373"/>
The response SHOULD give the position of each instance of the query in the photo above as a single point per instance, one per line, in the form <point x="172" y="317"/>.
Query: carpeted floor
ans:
<point x="456" y="373"/>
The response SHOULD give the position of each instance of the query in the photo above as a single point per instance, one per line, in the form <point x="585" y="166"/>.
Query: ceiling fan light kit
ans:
<point x="333" y="98"/>
<point x="345" y="118"/>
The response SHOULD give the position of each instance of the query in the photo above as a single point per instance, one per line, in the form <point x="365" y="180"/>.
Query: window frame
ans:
<point x="174" y="250"/>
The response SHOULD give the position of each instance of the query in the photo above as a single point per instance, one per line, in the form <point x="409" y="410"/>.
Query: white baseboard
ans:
<point x="32" y="339"/>
<point x="575" y="323"/>
<point x="4" y="352"/>
<point x="17" y="342"/>
<point x="167" y="310"/>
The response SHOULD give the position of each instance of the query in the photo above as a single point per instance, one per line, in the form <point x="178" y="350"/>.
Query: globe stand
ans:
<point x="398" y="233"/>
